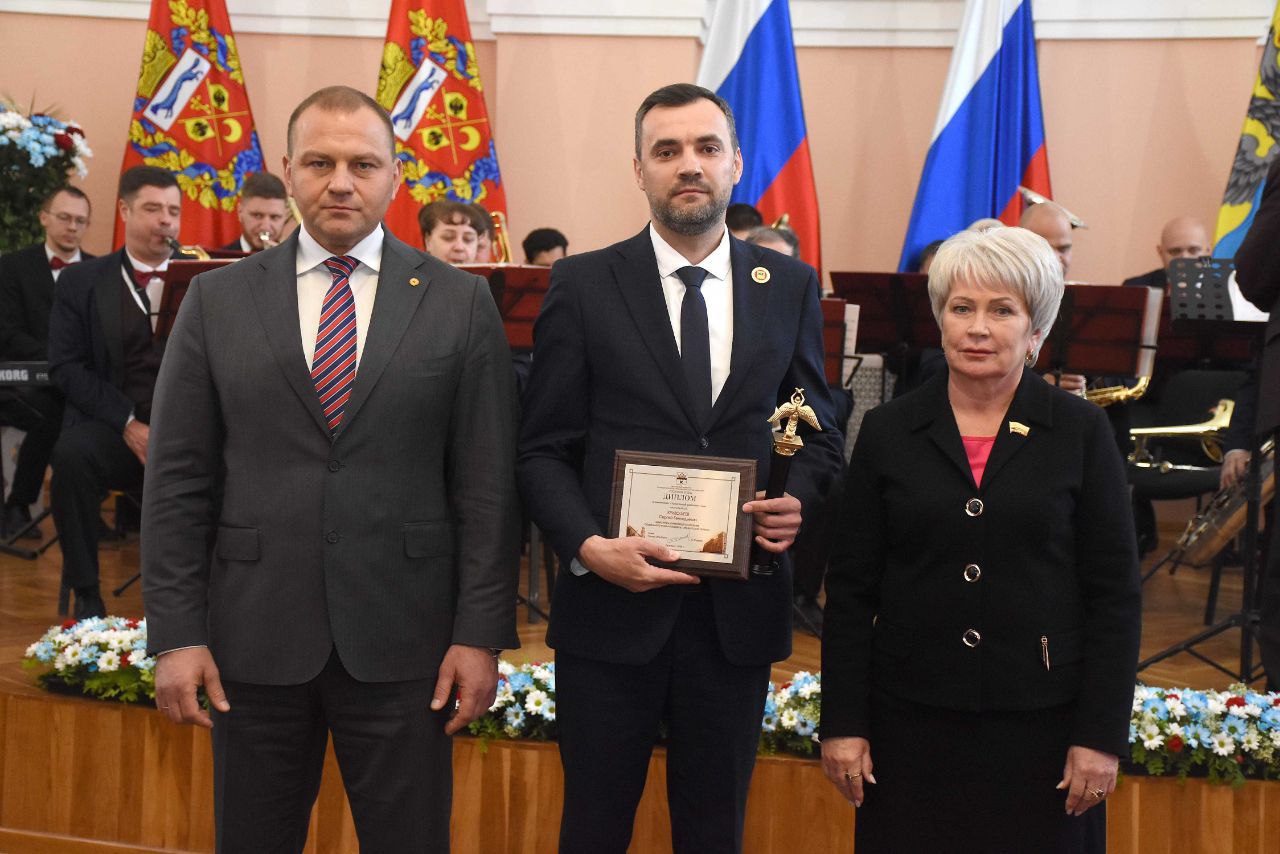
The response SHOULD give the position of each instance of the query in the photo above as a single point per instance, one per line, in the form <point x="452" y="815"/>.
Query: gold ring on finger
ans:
<point x="1096" y="793"/>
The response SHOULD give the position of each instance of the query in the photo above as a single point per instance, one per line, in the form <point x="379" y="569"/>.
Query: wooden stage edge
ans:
<point x="80" y="775"/>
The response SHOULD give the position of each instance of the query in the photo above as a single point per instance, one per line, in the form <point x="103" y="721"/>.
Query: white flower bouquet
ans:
<point x="525" y="706"/>
<point x="791" y="712"/>
<point x="103" y="657"/>
<point x="1228" y="736"/>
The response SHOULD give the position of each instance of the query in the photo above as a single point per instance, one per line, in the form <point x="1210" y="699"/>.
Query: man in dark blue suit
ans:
<point x="680" y="340"/>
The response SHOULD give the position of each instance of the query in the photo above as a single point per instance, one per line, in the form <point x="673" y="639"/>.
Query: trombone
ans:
<point x="1208" y="432"/>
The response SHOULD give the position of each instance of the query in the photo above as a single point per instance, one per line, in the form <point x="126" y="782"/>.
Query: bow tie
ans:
<point x="143" y="275"/>
<point x="56" y="263"/>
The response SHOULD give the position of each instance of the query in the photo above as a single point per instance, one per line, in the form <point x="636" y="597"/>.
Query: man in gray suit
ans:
<point x="330" y="517"/>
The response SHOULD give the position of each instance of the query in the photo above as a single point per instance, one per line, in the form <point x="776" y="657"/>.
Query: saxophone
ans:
<point x="1118" y="393"/>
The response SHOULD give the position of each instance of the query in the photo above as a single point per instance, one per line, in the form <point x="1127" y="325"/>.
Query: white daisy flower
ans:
<point x="1223" y="744"/>
<point x="535" y="701"/>
<point x="109" y="661"/>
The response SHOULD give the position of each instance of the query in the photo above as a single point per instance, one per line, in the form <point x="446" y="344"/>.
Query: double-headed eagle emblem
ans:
<point x="794" y="411"/>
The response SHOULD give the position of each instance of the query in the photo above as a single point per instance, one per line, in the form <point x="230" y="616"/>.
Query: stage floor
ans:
<point x="1173" y="609"/>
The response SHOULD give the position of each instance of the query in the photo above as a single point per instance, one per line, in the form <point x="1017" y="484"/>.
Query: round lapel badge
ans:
<point x="760" y="274"/>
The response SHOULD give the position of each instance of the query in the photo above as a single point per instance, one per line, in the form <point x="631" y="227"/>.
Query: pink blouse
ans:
<point x="978" y="449"/>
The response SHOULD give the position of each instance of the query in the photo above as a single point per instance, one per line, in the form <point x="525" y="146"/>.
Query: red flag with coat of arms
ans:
<point x="191" y="116"/>
<point x="429" y="83"/>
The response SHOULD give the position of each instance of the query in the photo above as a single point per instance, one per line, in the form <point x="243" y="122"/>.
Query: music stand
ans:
<point x="1103" y="330"/>
<point x="895" y="317"/>
<point x="518" y="290"/>
<point x="1203" y="306"/>
<point x="177" y="278"/>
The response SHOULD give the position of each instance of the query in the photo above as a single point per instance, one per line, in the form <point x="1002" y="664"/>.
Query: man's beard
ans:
<point x="691" y="220"/>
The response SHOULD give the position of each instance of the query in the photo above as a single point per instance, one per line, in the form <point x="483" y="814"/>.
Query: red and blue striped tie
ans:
<point x="334" y="367"/>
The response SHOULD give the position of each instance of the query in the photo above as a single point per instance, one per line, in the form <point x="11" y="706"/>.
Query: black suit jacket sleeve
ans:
<point x="16" y="341"/>
<point x="180" y="503"/>
<point x="481" y="482"/>
<point x="1112" y="595"/>
<point x="71" y="355"/>
<point x="556" y="415"/>
<point x="853" y="591"/>
<point x="1258" y="258"/>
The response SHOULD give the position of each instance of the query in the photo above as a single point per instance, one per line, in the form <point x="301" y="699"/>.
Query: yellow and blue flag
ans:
<point x="1255" y="152"/>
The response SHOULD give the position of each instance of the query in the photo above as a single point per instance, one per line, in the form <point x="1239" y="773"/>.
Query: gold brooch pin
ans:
<point x="760" y="274"/>
<point x="1019" y="428"/>
<point x="415" y="281"/>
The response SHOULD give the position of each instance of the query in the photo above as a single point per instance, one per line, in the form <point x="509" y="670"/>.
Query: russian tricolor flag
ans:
<point x="989" y="138"/>
<point x="750" y="61"/>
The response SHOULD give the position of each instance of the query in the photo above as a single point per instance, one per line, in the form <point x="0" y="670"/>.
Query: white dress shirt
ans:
<point x="245" y="246"/>
<point x="314" y="280"/>
<point x="717" y="291"/>
<point x="145" y="276"/>
<point x="49" y="254"/>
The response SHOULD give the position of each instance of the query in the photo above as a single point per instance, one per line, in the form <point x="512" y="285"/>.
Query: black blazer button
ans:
<point x="971" y="638"/>
<point x="973" y="507"/>
<point x="972" y="572"/>
<point x="331" y="537"/>
<point x="334" y="465"/>
<point x="703" y="442"/>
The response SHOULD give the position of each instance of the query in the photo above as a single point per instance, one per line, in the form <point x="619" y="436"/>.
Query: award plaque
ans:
<point x="687" y="503"/>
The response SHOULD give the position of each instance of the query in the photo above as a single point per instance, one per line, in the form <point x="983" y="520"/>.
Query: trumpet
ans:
<point x="1208" y="432"/>
<point x="1117" y="393"/>
<point x="501" y="237"/>
<point x="267" y="240"/>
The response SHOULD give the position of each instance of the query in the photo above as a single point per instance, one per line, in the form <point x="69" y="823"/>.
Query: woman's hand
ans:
<point x="1089" y="776"/>
<point x="847" y="762"/>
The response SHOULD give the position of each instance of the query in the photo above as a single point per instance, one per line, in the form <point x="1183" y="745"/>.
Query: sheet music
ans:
<point x="1241" y="308"/>
<point x="850" y="338"/>
<point x="1150" y="329"/>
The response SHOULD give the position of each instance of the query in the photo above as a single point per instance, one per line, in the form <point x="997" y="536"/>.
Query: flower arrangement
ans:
<point x="1228" y="736"/>
<point x="37" y="154"/>
<point x="103" y="657"/>
<point x="525" y="706"/>
<point x="791" y="712"/>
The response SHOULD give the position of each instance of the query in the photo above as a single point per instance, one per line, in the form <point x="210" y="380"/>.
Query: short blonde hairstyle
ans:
<point x="1007" y="259"/>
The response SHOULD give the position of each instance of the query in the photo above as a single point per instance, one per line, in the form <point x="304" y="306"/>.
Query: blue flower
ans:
<point x="804" y="727"/>
<point x="515" y="717"/>
<point x="1195" y="735"/>
<point x="1234" y="726"/>
<point x="1270" y="718"/>
<point x="521" y="681"/>
<point x="1155" y="706"/>
<point x="1133" y="732"/>
<point x="769" y="723"/>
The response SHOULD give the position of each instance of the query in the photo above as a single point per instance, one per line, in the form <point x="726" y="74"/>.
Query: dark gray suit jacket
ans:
<point x="274" y="544"/>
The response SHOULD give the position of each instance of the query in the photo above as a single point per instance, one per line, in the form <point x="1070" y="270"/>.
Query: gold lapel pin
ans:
<point x="760" y="274"/>
<point x="415" y="281"/>
<point x="1019" y="428"/>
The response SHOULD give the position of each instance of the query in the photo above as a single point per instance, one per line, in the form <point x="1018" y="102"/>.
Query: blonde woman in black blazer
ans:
<point x="983" y="608"/>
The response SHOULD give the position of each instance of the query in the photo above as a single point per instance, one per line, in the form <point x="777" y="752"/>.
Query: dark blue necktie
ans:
<point x="695" y="342"/>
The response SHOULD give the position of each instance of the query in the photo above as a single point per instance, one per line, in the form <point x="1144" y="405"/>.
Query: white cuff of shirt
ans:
<point x="576" y="567"/>
<point x="176" y="648"/>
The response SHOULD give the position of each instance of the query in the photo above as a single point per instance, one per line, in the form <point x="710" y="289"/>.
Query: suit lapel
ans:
<point x="636" y="270"/>
<point x="393" y="308"/>
<point x="1032" y="407"/>
<point x="933" y="414"/>
<point x="750" y="302"/>
<point x="276" y="297"/>
<point x="107" y="293"/>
